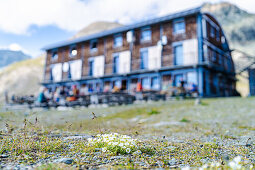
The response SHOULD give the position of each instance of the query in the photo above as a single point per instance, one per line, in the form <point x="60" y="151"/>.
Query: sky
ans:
<point x="29" y="25"/>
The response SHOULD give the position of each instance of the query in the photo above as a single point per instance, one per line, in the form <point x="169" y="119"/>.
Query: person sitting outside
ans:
<point x="41" y="97"/>
<point x="106" y="88"/>
<point x="74" y="93"/>
<point x="194" y="90"/>
<point x="84" y="90"/>
<point x="56" y="95"/>
<point x="139" y="87"/>
<point x="116" y="89"/>
<point x="181" y="89"/>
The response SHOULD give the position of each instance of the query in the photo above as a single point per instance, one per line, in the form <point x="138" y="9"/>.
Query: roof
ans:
<point x="124" y="28"/>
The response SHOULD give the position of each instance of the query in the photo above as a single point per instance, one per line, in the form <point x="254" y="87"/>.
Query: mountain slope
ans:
<point x="96" y="27"/>
<point x="8" y="57"/>
<point x="22" y="78"/>
<point x="238" y="25"/>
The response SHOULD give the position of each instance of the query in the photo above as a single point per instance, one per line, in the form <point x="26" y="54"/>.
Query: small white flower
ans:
<point x="128" y="150"/>
<point x="237" y="159"/>
<point x="234" y="165"/>
<point x="185" y="168"/>
<point x="205" y="166"/>
<point x="104" y="149"/>
<point x="138" y="152"/>
<point x="213" y="164"/>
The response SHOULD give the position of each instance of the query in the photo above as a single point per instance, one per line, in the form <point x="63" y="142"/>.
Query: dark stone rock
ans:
<point x="172" y="162"/>
<point x="4" y="156"/>
<point x="65" y="160"/>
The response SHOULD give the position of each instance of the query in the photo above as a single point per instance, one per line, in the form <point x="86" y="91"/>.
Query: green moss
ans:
<point x="153" y="111"/>
<point x="185" y="120"/>
<point x="247" y="127"/>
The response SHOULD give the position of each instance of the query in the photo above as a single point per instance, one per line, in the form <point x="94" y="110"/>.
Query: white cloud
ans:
<point x="16" y="16"/>
<point x="15" y="47"/>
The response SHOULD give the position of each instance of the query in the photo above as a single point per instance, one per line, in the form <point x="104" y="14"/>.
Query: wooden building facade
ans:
<point x="189" y="46"/>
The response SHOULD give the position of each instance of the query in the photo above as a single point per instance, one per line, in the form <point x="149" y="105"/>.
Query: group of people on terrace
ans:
<point x="72" y="93"/>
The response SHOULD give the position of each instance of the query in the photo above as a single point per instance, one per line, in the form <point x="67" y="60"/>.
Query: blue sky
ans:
<point x="28" y="25"/>
<point x="33" y="42"/>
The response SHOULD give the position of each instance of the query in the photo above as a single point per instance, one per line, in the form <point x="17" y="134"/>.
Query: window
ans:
<point x="178" y="55"/>
<point x="179" y="27"/>
<point x="73" y="52"/>
<point x="118" y="41"/>
<point x="212" y="31"/>
<point x="91" y="67"/>
<point x="144" y="59"/>
<point x="116" y="63"/>
<point x="223" y="40"/>
<point x="93" y="46"/>
<point x="146" y="83"/>
<point x="51" y="73"/>
<point x="90" y="87"/>
<point x="117" y="83"/>
<point x="218" y="35"/>
<point x="220" y="59"/>
<point x="54" y="56"/>
<point x="191" y="78"/>
<point x="155" y="83"/>
<point x="145" y="34"/>
<point x="214" y="56"/>
<point x="178" y="79"/>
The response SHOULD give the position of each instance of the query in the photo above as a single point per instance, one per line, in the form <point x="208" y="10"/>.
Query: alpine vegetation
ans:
<point x="115" y="143"/>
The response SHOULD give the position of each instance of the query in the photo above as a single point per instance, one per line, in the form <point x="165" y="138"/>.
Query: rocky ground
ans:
<point x="173" y="134"/>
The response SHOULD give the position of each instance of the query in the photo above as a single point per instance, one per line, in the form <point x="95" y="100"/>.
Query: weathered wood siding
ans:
<point x="106" y="47"/>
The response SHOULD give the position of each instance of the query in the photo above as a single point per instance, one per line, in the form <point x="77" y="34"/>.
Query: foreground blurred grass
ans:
<point x="164" y="117"/>
<point x="181" y="130"/>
